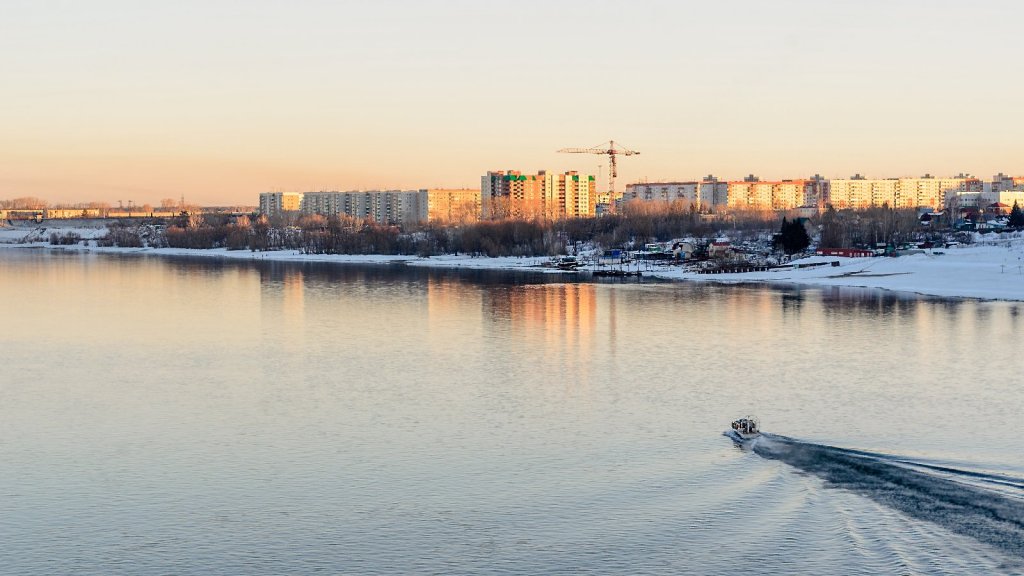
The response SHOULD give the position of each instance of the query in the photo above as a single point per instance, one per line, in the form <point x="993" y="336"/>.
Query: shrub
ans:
<point x="64" y="238"/>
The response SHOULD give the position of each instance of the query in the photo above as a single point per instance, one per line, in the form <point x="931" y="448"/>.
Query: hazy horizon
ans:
<point x="218" y="101"/>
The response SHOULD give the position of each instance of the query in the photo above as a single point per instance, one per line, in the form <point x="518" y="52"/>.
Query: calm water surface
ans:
<point x="174" y="416"/>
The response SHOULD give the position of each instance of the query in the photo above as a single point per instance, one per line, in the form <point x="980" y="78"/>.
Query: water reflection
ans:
<point x="795" y="347"/>
<point x="365" y="417"/>
<point x="855" y="301"/>
<point x="559" y="320"/>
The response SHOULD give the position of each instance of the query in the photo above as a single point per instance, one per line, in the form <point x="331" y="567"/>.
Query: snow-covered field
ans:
<point x="991" y="268"/>
<point x="981" y="270"/>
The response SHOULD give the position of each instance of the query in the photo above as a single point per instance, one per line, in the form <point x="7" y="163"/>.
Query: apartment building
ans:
<point x="453" y="206"/>
<point x="275" y="203"/>
<point x="384" y="206"/>
<point x="927" y="191"/>
<point x="1008" y="198"/>
<point x="569" y="195"/>
<point x="512" y="194"/>
<point x="713" y="193"/>
<point x="1003" y="183"/>
<point x="754" y="194"/>
<point x="684" y="193"/>
<point x="1006" y="190"/>
<point x="704" y="194"/>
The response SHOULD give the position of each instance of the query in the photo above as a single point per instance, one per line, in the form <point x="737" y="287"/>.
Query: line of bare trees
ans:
<point x="635" y="225"/>
<point x="24" y="203"/>
<point x="867" y="227"/>
<point x="314" y="234"/>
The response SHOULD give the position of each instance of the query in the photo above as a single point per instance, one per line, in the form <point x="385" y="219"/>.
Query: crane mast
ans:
<point x="609" y="150"/>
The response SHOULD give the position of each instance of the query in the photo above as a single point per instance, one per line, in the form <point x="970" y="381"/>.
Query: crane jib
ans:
<point x="609" y="150"/>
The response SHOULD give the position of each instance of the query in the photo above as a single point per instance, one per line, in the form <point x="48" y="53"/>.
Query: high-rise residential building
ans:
<point x="704" y="194"/>
<point x="275" y="203"/>
<point x="926" y="191"/>
<point x="1001" y="183"/>
<point x="1006" y="190"/>
<point x="755" y="194"/>
<point x="512" y="194"/>
<point x="1009" y="198"/>
<point x="453" y="206"/>
<point x="1002" y="190"/>
<point x="937" y="193"/>
<point x="683" y="194"/>
<point x="386" y="207"/>
<point x="714" y="193"/>
<point x="750" y="194"/>
<point x="819" y="191"/>
<point x="569" y="195"/>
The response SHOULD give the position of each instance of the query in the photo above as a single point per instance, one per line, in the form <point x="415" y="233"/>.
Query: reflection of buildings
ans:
<point x="293" y="285"/>
<point x="563" y="315"/>
<point x="285" y="284"/>
<point x="449" y="300"/>
<point x="848" y="300"/>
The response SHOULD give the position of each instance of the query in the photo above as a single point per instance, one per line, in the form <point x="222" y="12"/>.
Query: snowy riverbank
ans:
<point x="991" y="268"/>
<point x="983" y="270"/>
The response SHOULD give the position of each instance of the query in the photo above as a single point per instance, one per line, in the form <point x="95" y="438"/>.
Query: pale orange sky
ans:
<point x="217" y="101"/>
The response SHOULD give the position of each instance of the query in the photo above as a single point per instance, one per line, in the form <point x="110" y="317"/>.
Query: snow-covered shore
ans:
<point x="986" y="271"/>
<point x="991" y="268"/>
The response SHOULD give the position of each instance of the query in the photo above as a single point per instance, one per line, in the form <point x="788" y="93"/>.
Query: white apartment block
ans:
<point x="275" y="203"/>
<point x="687" y="193"/>
<point x="753" y="194"/>
<point x="927" y="191"/>
<point x="713" y="194"/>
<point x="749" y="194"/>
<point x="385" y="207"/>
<point x="453" y="205"/>
<point x="1009" y="197"/>
<point x="705" y="194"/>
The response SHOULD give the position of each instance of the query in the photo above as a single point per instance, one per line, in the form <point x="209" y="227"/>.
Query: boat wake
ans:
<point x="986" y="507"/>
<point x="745" y="443"/>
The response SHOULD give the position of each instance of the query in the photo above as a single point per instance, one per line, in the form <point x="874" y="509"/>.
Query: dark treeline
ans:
<point x="314" y="234"/>
<point x="637" y="224"/>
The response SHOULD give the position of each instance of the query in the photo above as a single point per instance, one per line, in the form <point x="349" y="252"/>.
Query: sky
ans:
<point x="217" y="100"/>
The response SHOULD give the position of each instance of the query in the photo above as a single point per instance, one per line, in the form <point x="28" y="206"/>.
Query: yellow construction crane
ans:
<point x="612" y="152"/>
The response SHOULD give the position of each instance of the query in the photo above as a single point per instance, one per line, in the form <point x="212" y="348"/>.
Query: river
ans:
<point x="173" y="416"/>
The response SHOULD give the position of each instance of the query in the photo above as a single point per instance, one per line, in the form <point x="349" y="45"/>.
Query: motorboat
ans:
<point x="747" y="428"/>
